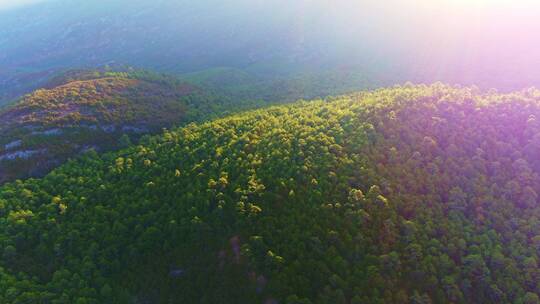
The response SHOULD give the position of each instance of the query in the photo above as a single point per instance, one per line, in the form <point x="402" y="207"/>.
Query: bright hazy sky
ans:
<point x="7" y="4"/>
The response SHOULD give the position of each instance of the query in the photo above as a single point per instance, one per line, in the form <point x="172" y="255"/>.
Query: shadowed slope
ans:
<point x="46" y="127"/>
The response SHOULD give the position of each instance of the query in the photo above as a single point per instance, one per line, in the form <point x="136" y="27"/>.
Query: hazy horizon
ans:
<point x="10" y="4"/>
<point x="491" y="44"/>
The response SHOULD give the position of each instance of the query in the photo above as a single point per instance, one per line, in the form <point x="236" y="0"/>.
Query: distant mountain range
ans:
<point x="181" y="37"/>
<point x="271" y="43"/>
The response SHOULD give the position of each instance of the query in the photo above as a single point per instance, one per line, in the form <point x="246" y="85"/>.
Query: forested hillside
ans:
<point x="95" y="109"/>
<point x="414" y="194"/>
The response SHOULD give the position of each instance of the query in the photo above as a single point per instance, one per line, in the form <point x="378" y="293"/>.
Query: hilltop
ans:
<point x="412" y="194"/>
<point x="81" y="110"/>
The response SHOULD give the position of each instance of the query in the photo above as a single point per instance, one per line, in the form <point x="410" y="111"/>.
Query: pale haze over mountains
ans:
<point x="9" y="4"/>
<point x="379" y="43"/>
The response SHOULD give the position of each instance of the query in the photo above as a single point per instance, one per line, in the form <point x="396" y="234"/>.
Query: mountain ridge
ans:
<point x="386" y="196"/>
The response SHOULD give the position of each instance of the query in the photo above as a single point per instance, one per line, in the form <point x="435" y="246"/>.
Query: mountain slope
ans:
<point x="81" y="110"/>
<point x="259" y="83"/>
<point x="402" y="195"/>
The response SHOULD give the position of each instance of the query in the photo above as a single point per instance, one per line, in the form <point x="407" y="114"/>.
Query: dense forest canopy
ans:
<point x="412" y="194"/>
